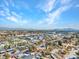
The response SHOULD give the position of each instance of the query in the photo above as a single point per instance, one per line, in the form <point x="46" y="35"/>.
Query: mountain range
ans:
<point x="64" y="29"/>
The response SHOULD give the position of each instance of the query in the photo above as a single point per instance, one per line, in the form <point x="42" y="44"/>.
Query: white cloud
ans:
<point x="2" y="13"/>
<point x="20" y="19"/>
<point x="16" y="15"/>
<point x="8" y="3"/>
<point x="52" y="17"/>
<point x="12" y="18"/>
<point x="4" y="10"/>
<point x="77" y="5"/>
<point x="11" y="15"/>
<point x="65" y="2"/>
<point x="16" y="20"/>
<point x="48" y="5"/>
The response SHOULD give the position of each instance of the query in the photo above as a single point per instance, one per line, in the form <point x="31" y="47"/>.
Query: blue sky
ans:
<point x="39" y="14"/>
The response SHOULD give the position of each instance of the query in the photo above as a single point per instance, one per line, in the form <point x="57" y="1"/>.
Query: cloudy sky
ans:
<point x="39" y="14"/>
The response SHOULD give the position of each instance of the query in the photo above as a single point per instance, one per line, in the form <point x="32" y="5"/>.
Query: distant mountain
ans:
<point x="6" y="28"/>
<point x="65" y="29"/>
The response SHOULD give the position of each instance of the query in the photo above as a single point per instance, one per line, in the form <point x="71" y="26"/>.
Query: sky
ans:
<point x="39" y="14"/>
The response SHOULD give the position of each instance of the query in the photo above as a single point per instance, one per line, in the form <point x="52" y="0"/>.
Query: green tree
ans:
<point x="7" y="56"/>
